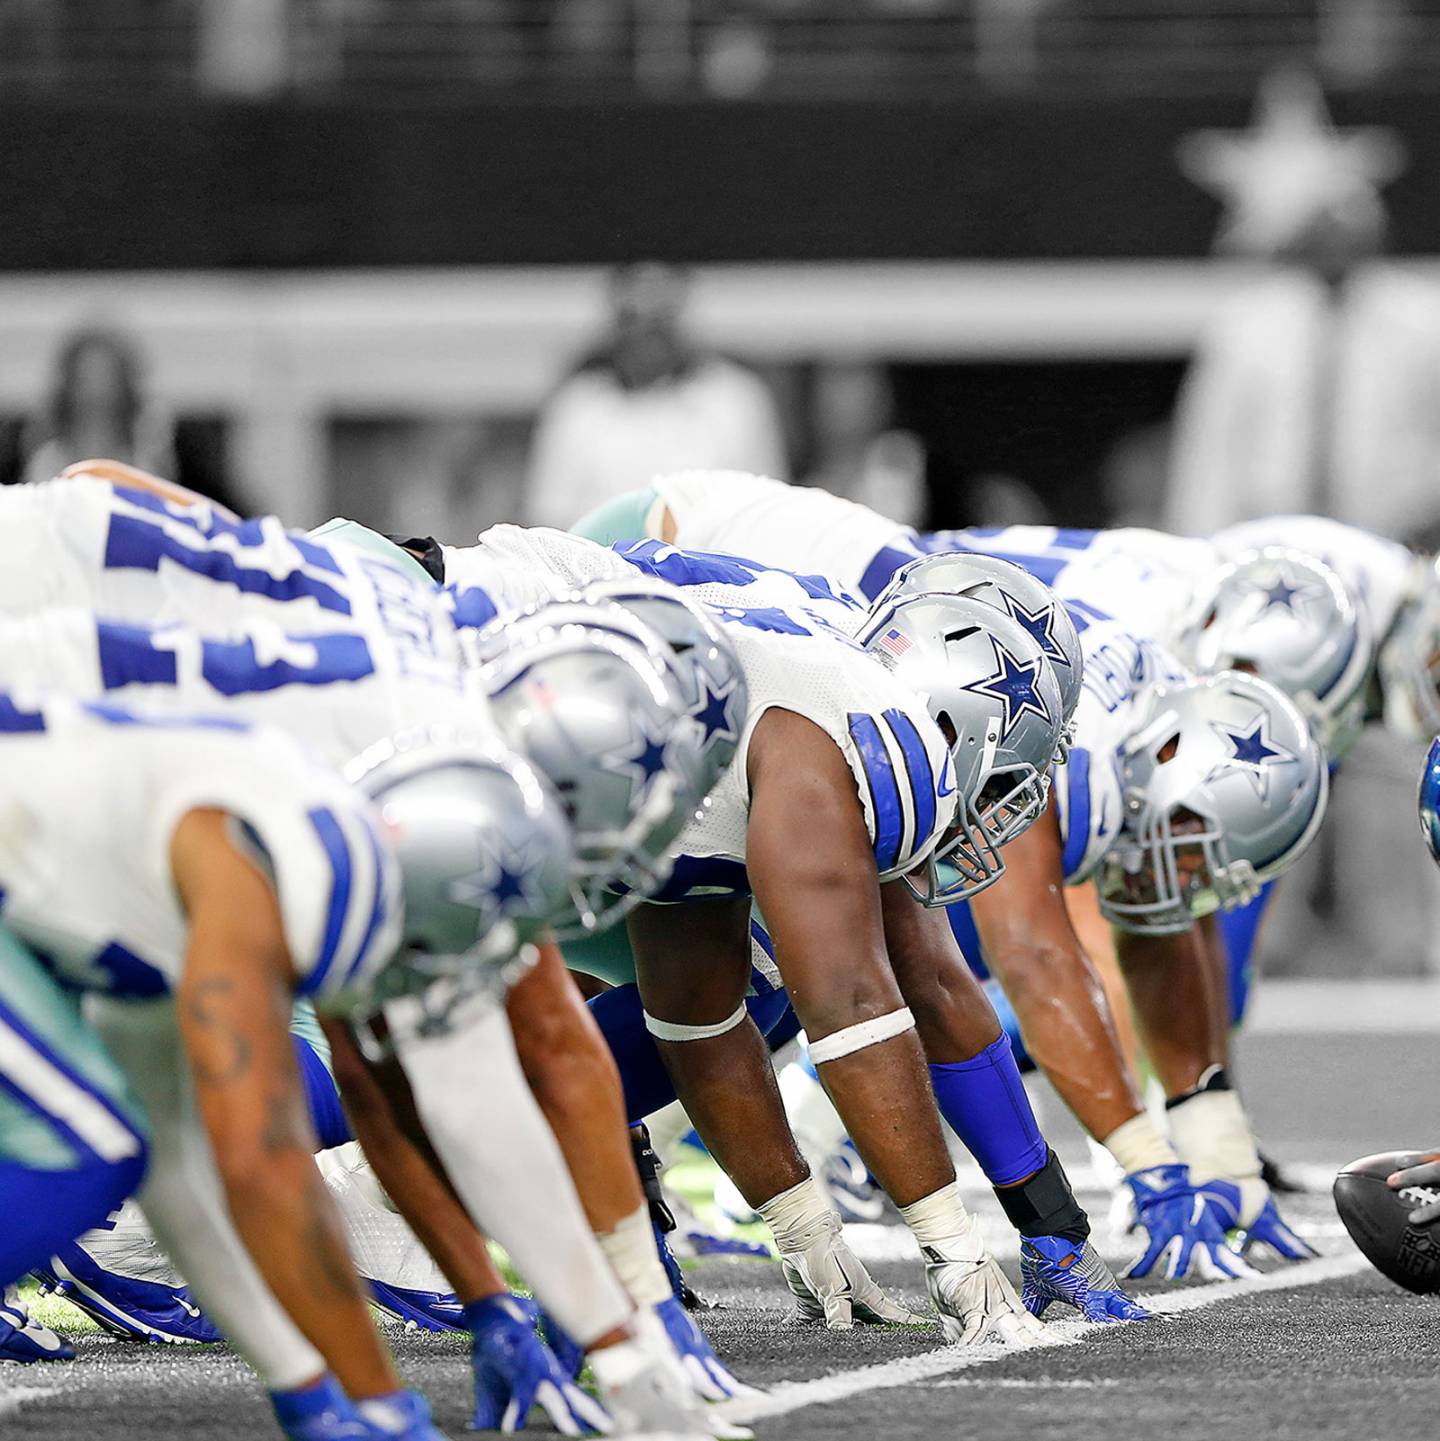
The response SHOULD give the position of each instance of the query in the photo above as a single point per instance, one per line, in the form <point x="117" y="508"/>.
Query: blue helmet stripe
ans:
<point x="881" y="569"/>
<point x="917" y="767"/>
<point x="332" y="838"/>
<point x="884" y="791"/>
<point x="1076" y="814"/>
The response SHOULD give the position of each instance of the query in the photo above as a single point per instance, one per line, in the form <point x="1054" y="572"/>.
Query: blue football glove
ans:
<point x="563" y="1346"/>
<point x="1054" y="1269"/>
<point x="704" y="1370"/>
<point x="399" y="1416"/>
<point x="1186" y="1233"/>
<point x="322" y="1412"/>
<point x="1265" y="1229"/>
<point x="515" y="1371"/>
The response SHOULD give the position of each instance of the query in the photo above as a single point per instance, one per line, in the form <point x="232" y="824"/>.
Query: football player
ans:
<point x="224" y="872"/>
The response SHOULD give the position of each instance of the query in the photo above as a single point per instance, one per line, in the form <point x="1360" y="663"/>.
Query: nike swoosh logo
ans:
<point x="186" y="1306"/>
<point x="945" y="788"/>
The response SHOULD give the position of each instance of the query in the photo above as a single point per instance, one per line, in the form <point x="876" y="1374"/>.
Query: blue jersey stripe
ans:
<point x="917" y="767"/>
<point x="881" y="570"/>
<point x="1070" y="539"/>
<point x="1077" y="810"/>
<point x="884" y="791"/>
<point x="14" y="721"/>
<point x="134" y="543"/>
<point x="377" y="910"/>
<point x="332" y="838"/>
<point x="129" y="656"/>
<point x="471" y="606"/>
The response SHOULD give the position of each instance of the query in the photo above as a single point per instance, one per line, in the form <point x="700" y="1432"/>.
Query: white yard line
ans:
<point x="12" y="1398"/>
<point x="907" y="1370"/>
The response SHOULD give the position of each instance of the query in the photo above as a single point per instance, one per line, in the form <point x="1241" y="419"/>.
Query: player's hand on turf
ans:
<point x="829" y="1283"/>
<point x="707" y="1374"/>
<point x="400" y="1416"/>
<point x="1055" y="1269"/>
<point x="973" y="1295"/>
<point x="320" y="1412"/>
<point x="1427" y="1173"/>
<point x="515" y="1372"/>
<point x="1185" y="1231"/>
<point x="1250" y="1213"/>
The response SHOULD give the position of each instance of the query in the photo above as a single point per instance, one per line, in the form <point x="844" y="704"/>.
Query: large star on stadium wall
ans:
<point x="1289" y="167"/>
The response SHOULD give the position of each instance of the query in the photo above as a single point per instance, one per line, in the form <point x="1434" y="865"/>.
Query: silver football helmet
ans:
<point x="991" y="690"/>
<point x="1224" y="786"/>
<point x="1027" y="601"/>
<point x="1287" y="617"/>
<point x="706" y="667"/>
<point x="1409" y="664"/>
<point x="586" y="692"/>
<point x="485" y="852"/>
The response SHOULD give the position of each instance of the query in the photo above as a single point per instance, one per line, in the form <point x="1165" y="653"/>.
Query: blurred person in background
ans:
<point x="1317" y="387"/>
<point x="644" y="401"/>
<point x="98" y="407"/>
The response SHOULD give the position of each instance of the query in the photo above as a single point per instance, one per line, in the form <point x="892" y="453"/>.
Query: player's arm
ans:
<point x="118" y="473"/>
<point x="234" y="1005"/>
<point x="1031" y="948"/>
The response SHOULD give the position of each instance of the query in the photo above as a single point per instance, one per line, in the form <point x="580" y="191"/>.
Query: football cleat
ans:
<point x="1054" y="1269"/>
<point x="418" y="1310"/>
<point x="23" y="1340"/>
<point x="132" y="1307"/>
<point x="853" y="1191"/>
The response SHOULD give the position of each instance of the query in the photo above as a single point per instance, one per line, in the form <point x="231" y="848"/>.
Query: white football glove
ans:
<point x="973" y="1295"/>
<point x="824" y="1275"/>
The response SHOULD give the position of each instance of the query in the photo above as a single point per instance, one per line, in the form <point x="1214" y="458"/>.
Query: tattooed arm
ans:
<point x="234" y="1009"/>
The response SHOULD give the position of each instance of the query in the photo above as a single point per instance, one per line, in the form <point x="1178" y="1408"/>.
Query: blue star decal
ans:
<point x="1041" y="626"/>
<point x="1254" y="752"/>
<point x="1282" y="593"/>
<point x="644" y="762"/>
<point x="503" y="884"/>
<point x="1015" y="686"/>
<point x="714" y="712"/>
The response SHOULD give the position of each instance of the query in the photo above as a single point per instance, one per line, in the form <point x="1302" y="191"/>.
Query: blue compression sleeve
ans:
<point x="1240" y="929"/>
<point x="327" y="1115"/>
<point x="1010" y="1024"/>
<point x="985" y="1103"/>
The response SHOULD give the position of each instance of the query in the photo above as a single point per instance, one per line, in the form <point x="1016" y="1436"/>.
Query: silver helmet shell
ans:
<point x="585" y="691"/>
<point x="1224" y="786"/>
<point x="1010" y="588"/>
<point x="1287" y="617"/>
<point x="484" y="850"/>
<point x="705" y="664"/>
<point x="1409" y="664"/>
<point x="992" y="692"/>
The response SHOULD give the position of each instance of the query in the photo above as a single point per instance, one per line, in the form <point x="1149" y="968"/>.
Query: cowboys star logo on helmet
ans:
<point x="1254" y="753"/>
<point x="1282" y="592"/>
<point x="1040" y="623"/>
<point x="644" y="762"/>
<point x="503" y="883"/>
<point x="1015" y="686"/>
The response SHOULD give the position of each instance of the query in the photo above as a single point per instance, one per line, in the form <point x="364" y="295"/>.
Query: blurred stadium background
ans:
<point x="316" y="256"/>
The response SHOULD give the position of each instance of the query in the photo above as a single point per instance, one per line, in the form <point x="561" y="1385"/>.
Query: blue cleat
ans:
<point x="419" y="1310"/>
<point x="24" y="1341"/>
<point x="1054" y="1269"/>
<point x="125" y="1305"/>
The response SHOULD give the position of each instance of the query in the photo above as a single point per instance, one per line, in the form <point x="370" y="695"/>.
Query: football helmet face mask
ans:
<point x="585" y="691"/>
<point x="1224" y="787"/>
<point x="485" y="853"/>
<point x="1011" y="589"/>
<point x="1288" y="618"/>
<point x="1409" y="664"/>
<point x="992" y="692"/>
<point x="705" y="665"/>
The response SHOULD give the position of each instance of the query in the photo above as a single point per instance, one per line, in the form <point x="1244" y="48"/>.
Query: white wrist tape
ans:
<point x="939" y="1222"/>
<point x="798" y="1215"/>
<point x="1213" y="1136"/>
<point x="630" y="1250"/>
<point x="1137" y="1144"/>
<point x="862" y="1034"/>
<point x="674" y="1031"/>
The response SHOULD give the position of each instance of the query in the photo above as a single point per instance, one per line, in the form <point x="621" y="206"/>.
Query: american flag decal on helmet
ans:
<point x="895" y="641"/>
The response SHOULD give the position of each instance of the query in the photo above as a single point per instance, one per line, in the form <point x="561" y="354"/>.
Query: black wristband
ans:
<point x="1214" y="1079"/>
<point x="1045" y="1205"/>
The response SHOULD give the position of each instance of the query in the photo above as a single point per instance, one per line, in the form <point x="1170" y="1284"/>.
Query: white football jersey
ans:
<point x="792" y="636"/>
<point x="130" y="555"/>
<point x="338" y="692"/>
<point x="89" y="800"/>
<point x="1088" y="792"/>
<point x="1375" y="571"/>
